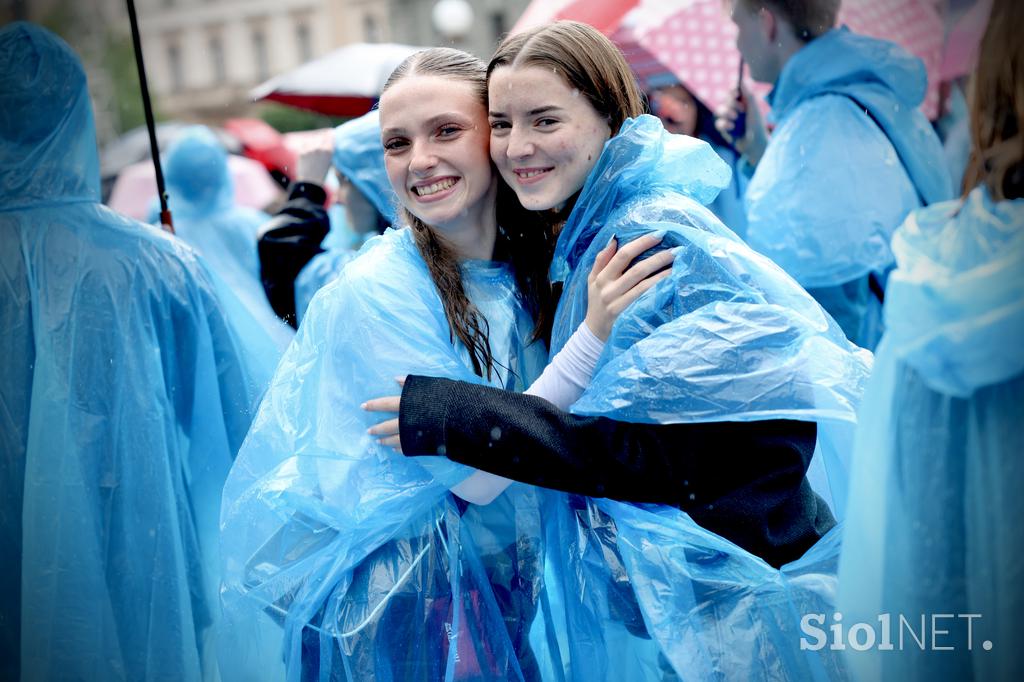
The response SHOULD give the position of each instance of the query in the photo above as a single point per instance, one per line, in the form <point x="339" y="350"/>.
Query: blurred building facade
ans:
<point x="203" y="56"/>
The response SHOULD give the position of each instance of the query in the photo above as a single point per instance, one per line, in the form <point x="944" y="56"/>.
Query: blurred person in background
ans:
<point x="850" y="156"/>
<point x="125" y="392"/>
<point x="201" y="198"/>
<point x="682" y="113"/>
<point x="938" y="471"/>
<point x="303" y="228"/>
<point x="366" y="203"/>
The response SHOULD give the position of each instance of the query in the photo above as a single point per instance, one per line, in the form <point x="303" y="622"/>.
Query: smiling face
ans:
<point x="435" y="135"/>
<point x="545" y="138"/>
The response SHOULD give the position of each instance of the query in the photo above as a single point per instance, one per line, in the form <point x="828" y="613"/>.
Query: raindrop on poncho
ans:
<point x="125" y="392"/>
<point x="851" y="155"/>
<point x="727" y="337"/>
<point x="358" y="557"/>
<point x="934" y="521"/>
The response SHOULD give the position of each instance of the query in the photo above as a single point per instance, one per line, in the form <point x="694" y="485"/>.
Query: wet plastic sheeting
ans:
<point x="938" y="471"/>
<point x="125" y="393"/>
<point x="358" y="554"/>
<point x="728" y="336"/>
<point x="850" y="157"/>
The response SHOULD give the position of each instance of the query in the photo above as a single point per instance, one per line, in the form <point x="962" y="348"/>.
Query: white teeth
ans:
<point x="530" y="174"/>
<point x="426" y="191"/>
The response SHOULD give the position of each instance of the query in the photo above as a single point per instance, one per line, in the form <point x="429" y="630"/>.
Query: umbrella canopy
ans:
<point x="696" y="40"/>
<point x="262" y="142"/>
<point x="963" y="41"/>
<point x="345" y="82"/>
<point x="135" y="188"/>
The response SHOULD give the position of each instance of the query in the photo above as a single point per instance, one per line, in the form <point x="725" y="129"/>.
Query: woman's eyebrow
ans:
<point x="532" y="112"/>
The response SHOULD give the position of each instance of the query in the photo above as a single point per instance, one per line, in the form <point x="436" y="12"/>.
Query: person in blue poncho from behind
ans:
<point x="850" y="156"/>
<point x="369" y="565"/>
<point x="125" y="392"/>
<point x="934" y="545"/>
<point x="720" y="406"/>
<point x="201" y="198"/>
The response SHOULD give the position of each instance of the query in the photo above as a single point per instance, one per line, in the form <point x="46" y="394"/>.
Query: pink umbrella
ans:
<point x="963" y="41"/>
<point x="135" y="188"/>
<point x="914" y="24"/>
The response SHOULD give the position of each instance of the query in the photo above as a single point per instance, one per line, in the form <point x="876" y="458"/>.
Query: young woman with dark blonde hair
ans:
<point x="372" y="567"/>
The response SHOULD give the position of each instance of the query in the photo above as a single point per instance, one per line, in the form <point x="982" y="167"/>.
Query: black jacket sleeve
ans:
<point x="288" y="241"/>
<point x="743" y="480"/>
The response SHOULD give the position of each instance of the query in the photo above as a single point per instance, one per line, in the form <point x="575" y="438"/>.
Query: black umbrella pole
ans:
<point x="165" y="213"/>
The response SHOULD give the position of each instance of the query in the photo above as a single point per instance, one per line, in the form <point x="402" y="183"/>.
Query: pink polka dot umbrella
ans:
<point x="696" y="40"/>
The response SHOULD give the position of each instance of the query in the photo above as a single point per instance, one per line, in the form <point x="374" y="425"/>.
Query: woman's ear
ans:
<point x="768" y="23"/>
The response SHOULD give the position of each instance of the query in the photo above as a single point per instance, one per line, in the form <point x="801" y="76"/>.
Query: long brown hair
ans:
<point x="528" y="250"/>
<point x="997" y="107"/>
<point x="588" y="62"/>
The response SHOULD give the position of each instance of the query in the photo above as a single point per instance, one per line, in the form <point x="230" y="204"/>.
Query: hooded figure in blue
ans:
<point x="370" y="203"/>
<point x="201" y="199"/>
<point x="361" y="559"/>
<point x="125" y="392"/>
<point x="681" y="112"/>
<point x="851" y="155"/>
<point x="935" y="540"/>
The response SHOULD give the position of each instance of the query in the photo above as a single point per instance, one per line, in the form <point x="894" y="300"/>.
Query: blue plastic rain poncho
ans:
<point x="727" y="337"/>
<point x="201" y="199"/>
<point x="729" y="205"/>
<point x="938" y="471"/>
<point x="850" y="157"/>
<point x="124" y="395"/>
<point x="359" y="554"/>
<point x="359" y="156"/>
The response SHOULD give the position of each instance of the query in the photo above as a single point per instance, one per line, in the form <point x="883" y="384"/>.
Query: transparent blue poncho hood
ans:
<point x="728" y="336"/>
<point x="202" y="203"/>
<point x="937" y="469"/>
<point x="125" y="391"/>
<point x="358" y="552"/>
<point x="359" y="156"/>
<point x="49" y="151"/>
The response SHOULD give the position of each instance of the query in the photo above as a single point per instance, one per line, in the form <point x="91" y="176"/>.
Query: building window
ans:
<point x="304" y="40"/>
<point x="175" y="67"/>
<point x="259" y="48"/>
<point x="220" y="72"/>
<point x="370" y="30"/>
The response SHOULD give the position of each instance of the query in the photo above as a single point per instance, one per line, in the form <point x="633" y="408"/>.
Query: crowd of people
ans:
<point x="579" y="380"/>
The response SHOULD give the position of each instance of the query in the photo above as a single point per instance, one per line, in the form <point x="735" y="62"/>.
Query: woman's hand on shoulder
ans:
<point x="613" y="284"/>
